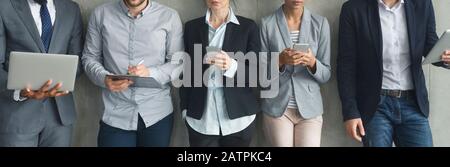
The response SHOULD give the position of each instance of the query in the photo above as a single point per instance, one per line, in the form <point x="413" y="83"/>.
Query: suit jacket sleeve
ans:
<point x="76" y="38"/>
<point x="253" y="45"/>
<point x="347" y="64"/>
<point x="323" y="67"/>
<point x="185" y="91"/>
<point x="431" y="36"/>
<point x="3" y="70"/>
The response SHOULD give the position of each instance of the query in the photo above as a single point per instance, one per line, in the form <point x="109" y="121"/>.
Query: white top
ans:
<point x="295" y="38"/>
<point x="396" y="56"/>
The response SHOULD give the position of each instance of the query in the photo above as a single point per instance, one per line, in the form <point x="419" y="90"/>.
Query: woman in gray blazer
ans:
<point x="294" y="116"/>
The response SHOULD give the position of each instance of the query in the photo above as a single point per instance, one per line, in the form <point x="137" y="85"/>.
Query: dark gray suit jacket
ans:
<point x="18" y="32"/>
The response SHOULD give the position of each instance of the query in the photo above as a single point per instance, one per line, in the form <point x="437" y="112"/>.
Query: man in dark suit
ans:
<point x="43" y="117"/>
<point x="380" y="77"/>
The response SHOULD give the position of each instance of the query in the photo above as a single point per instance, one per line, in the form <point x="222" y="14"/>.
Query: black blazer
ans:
<point x="360" y="65"/>
<point x="240" y="101"/>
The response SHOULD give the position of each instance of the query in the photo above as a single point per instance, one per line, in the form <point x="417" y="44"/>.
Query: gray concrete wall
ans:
<point x="89" y="102"/>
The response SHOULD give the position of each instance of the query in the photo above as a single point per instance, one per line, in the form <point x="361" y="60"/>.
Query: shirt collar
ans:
<point x="395" y="7"/>
<point x="231" y="17"/>
<point x="125" y="9"/>
<point x="49" y="2"/>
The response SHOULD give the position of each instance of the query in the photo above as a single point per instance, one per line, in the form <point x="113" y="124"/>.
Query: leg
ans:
<point x="109" y="136"/>
<point x="59" y="136"/>
<point x="200" y="140"/>
<point x="157" y="135"/>
<point x="54" y="133"/>
<point x="240" y="139"/>
<point x="19" y="140"/>
<point x="380" y="129"/>
<point x="414" y="130"/>
<point x="279" y="131"/>
<point x="308" y="132"/>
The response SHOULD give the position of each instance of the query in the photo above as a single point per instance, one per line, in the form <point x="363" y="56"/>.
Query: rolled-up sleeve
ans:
<point x="93" y="54"/>
<point x="174" y="46"/>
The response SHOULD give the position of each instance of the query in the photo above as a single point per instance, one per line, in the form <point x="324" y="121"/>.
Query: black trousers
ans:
<point x="239" y="139"/>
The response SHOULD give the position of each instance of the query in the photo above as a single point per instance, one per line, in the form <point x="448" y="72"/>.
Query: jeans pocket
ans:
<point x="382" y="99"/>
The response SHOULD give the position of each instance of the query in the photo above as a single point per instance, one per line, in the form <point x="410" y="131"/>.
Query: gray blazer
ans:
<point x="275" y="37"/>
<point x="18" y="32"/>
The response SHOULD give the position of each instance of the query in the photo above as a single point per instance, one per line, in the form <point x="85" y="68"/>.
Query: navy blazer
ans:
<point x="240" y="101"/>
<point x="360" y="64"/>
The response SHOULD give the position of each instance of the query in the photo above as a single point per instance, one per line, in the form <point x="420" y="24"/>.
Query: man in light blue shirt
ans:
<point x="138" y="38"/>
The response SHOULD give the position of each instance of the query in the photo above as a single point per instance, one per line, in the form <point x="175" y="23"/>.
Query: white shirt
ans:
<point x="292" y="104"/>
<point x="215" y="120"/>
<point x="396" y="56"/>
<point x="36" y="13"/>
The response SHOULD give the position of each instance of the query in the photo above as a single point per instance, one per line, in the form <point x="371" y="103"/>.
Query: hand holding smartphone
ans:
<point x="301" y="47"/>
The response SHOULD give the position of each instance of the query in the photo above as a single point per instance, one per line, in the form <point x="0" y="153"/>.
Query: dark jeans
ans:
<point x="239" y="139"/>
<point x="157" y="135"/>
<point x="398" y="121"/>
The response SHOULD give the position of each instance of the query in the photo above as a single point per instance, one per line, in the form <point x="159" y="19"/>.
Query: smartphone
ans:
<point x="210" y="53"/>
<point x="302" y="47"/>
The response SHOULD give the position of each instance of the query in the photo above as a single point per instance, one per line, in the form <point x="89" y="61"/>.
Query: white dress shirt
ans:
<point x="36" y="13"/>
<point x="215" y="120"/>
<point x="396" y="56"/>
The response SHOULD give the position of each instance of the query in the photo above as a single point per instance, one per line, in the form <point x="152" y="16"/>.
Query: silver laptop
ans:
<point x="35" y="69"/>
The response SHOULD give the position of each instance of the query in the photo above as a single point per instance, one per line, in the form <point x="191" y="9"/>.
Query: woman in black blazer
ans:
<point x="218" y="115"/>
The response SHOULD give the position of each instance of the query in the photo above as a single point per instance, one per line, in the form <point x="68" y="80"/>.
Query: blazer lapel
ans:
<point x="373" y="17"/>
<point x="283" y="28"/>
<point x="59" y="21"/>
<point x="204" y="31"/>
<point x="24" y="12"/>
<point x="305" y="32"/>
<point x="410" y="15"/>
<point x="227" y="41"/>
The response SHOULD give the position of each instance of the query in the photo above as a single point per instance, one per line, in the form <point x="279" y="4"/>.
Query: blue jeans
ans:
<point x="157" y="135"/>
<point x="398" y="121"/>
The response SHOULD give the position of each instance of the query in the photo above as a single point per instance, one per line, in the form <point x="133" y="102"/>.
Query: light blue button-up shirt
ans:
<point x="116" y="40"/>
<point x="215" y="120"/>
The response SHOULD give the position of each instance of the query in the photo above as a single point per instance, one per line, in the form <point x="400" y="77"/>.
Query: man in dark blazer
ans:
<point x="43" y="117"/>
<point x="380" y="77"/>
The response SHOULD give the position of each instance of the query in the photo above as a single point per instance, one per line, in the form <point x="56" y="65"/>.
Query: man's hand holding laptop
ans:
<point x="44" y="92"/>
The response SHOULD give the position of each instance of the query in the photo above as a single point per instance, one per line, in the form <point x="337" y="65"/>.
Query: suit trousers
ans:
<point x="51" y="132"/>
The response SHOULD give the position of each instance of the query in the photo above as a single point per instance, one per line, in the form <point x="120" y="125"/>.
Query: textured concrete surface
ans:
<point x="89" y="101"/>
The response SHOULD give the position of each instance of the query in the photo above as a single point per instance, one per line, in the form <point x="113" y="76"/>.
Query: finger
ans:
<point x="355" y="133"/>
<point x="55" y="89"/>
<point x="219" y="61"/>
<point x="61" y="94"/>
<point x="140" y="67"/>
<point x="45" y="87"/>
<point x="29" y="93"/>
<point x="361" y="128"/>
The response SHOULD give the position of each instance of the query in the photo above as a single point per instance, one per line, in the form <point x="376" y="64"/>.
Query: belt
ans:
<point x="397" y="93"/>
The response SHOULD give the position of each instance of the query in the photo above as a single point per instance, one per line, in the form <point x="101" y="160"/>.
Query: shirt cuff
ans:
<point x="183" y="114"/>
<point x="232" y="70"/>
<point x="17" y="96"/>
